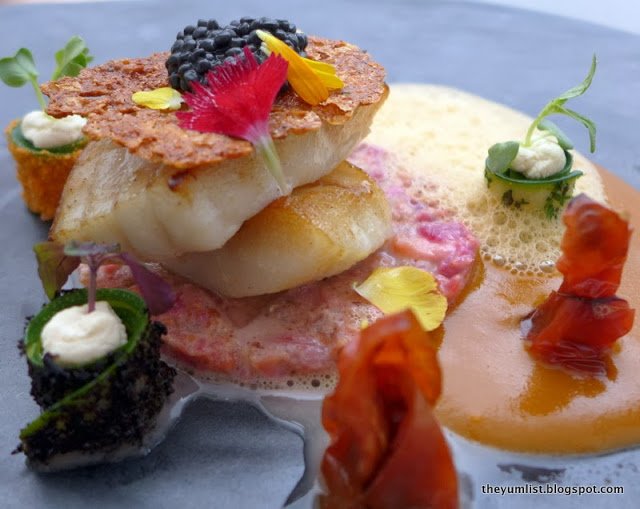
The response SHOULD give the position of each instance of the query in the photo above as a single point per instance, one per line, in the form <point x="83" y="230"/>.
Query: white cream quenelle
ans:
<point x="45" y="131"/>
<point x="542" y="158"/>
<point x="75" y="337"/>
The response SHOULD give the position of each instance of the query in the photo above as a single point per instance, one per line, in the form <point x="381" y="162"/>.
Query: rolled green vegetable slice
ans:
<point x="19" y="139"/>
<point x="549" y="194"/>
<point x="103" y="404"/>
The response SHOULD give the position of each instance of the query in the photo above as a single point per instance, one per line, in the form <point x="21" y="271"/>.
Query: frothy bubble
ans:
<point x="442" y="135"/>
<point x="316" y="384"/>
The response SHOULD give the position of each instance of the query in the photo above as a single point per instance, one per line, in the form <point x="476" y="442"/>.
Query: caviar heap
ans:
<point x="198" y="49"/>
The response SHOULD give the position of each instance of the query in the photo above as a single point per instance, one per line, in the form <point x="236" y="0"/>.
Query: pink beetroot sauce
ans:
<point x="298" y="332"/>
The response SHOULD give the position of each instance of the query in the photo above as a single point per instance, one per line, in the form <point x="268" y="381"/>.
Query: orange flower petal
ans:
<point x="326" y="72"/>
<point x="303" y="76"/>
<point x="331" y="81"/>
<point x="319" y="66"/>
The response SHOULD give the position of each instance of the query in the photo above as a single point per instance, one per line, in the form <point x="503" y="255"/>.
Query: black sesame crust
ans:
<point x="198" y="49"/>
<point x="119" y="410"/>
<point x="51" y="383"/>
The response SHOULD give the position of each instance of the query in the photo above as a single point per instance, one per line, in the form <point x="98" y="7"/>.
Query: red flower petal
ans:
<point x="238" y="98"/>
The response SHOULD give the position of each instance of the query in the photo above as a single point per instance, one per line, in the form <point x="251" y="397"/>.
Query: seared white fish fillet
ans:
<point x="321" y="229"/>
<point x="157" y="211"/>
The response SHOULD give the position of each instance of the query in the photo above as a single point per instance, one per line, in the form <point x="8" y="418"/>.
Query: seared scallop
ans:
<point x="321" y="229"/>
<point x="162" y="191"/>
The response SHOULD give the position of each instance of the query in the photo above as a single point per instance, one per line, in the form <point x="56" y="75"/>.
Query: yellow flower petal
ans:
<point x="165" y="98"/>
<point x="320" y="66"/>
<point x="326" y="72"/>
<point x="394" y="289"/>
<point x="311" y="80"/>
<point x="331" y="81"/>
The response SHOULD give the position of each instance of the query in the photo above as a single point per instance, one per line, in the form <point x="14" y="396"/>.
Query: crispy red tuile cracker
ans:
<point x="103" y="95"/>
<point x="576" y="325"/>
<point x="387" y="450"/>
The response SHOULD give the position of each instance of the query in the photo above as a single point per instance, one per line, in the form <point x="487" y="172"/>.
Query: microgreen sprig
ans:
<point x="556" y="106"/>
<point x="501" y="155"/>
<point x="20" y="69"/>
<point x="71" y="59"/>
<point x="57" y="261"/>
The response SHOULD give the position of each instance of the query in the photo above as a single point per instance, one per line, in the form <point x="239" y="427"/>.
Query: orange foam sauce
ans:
<point x="495" y="393"/>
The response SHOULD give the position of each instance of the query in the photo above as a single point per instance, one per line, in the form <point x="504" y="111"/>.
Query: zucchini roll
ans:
<point x="537" y="173"/>
<point x="549" y="194"/>
<point x="101" y="404"/>
<point x="42" y="172"/>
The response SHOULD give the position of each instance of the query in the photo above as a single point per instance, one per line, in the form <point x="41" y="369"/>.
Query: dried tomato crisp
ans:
<point x="387" y="449"/>
<point x="576" y="326"/>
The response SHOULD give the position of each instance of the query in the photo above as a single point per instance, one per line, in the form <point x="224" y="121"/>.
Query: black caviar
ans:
<point x="200" y="48"/>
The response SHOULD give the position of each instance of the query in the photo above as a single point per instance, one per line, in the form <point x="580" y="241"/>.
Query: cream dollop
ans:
<point x="543" y="158"/>
<point x="75" y="337"/>
<point x="45" y="131"/>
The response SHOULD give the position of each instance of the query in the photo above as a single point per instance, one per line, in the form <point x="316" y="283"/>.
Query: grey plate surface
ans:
<point x="228" y="455"/>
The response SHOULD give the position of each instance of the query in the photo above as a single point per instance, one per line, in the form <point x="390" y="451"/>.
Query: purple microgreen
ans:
<point x="54" y="266"/>
<point x="158" y="295"/>
<point x="93" y="255"/>
<point x="57" y="261"/>
<point x="87" y="249"/>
